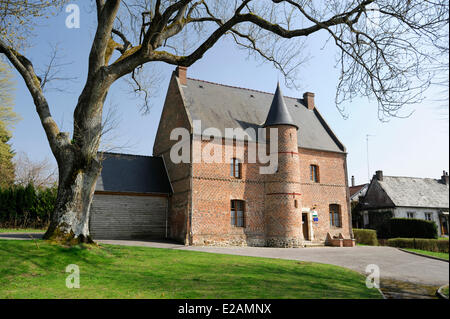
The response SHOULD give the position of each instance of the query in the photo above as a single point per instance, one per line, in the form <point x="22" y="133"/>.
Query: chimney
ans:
<point x="353" y="180"/>
<point x="379" y="175"/>
<point x="180" y="72"/>
<point x="444" y="177"/>
<point x="308" y="98"/>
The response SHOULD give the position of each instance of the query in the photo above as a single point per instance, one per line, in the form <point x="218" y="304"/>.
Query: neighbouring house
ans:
<point x="229" y="202"/>
<point x="357" y="192"/>
<point x="407" y="197"/>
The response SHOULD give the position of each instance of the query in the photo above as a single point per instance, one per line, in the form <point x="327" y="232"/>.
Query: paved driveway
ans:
<point x="393" y="263"/>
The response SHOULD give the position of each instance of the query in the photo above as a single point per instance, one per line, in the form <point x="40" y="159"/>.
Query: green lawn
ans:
<point x="445" y="291"/>
<point x="36" y="269"/>
<point x="21" y="230"/>
<point x="429" y="253"/>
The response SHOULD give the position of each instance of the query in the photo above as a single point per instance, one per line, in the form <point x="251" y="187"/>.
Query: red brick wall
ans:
<point x="174" y="115"/>
<point x="331" y="189"/>
<point x="213" y="190"/>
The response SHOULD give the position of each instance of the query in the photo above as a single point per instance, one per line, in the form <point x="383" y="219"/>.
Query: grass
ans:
<point x="445" y="290"/>
<point x="21" y="230"/>
<point x="36" y="269"/>
<point x="429" y="253"/>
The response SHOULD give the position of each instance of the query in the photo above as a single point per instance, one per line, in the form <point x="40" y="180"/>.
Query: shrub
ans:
<point x="366" y="236"/>
<point x="380" y="222"/>
<point x="412" y="228"/>
<point x="435" y="245"/>
<point x="24" y="207"/>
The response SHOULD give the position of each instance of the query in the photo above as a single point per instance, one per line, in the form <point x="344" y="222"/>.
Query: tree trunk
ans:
<point x="70" y="220"/>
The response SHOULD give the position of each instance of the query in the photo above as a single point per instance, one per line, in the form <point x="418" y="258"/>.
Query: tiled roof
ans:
<point x="133" y="173"/>
<point x="221" y="106"/>
<point x="355" y="189"/>
<point x="416" y="192"/>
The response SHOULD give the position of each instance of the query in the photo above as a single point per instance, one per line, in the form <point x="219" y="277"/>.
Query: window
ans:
<point x="335" y="215"/>
<point x="295" y="203"/>
<point x="410" y="214"/>
<point x="235" y="168"/>
<point x="314" y="173"/>
<point x="428" y="216"/>
<point x="237" y="213"/>
<point x="366" y="219"/>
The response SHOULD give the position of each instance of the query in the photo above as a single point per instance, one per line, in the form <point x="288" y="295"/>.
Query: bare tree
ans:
<point x="386" y="48"/>
<point x="40" y="174"/>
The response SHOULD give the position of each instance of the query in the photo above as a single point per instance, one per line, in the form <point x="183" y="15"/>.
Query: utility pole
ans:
<point x="368" y="166"/>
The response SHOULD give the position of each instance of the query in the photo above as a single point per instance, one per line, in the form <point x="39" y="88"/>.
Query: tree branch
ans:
<point x="56" y="139"/>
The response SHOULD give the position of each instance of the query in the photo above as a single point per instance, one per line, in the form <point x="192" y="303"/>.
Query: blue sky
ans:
<point x="416" y="146"/>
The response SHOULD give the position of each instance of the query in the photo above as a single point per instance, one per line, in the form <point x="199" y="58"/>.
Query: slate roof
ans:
<point x="278" y="112"/>
<point x="222" y="106"/>
<point x="416" y="192"/>
<point x="133" y="173"/>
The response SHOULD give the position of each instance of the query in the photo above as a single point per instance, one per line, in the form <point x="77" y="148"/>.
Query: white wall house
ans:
<point x="409" y="197"/>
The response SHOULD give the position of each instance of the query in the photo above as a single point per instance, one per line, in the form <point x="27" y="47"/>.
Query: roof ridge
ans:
<point x="411" y="177"/>
<point x="360" y="185"/>
<point x="242" y="88"/>
<point x="125" y="154"/>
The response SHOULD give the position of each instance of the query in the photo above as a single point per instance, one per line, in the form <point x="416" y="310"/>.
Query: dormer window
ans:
<point x="235" y="168"/>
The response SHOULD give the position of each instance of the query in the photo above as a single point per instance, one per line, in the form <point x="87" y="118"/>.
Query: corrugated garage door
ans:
<point x="128" y="217"/>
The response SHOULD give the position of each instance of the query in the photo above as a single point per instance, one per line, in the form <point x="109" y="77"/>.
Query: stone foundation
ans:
<point x="221" y="241"/>
<point x="284" y="242"/>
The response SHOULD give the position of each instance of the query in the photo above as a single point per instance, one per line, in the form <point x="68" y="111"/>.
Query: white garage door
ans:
<point x="128" y="217"/>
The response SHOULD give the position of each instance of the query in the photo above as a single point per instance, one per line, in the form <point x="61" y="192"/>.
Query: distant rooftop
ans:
<point x="416" y="192"/>
<point x="355" y="189"/>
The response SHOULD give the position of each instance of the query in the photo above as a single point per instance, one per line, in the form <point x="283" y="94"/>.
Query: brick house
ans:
<point x="231" y="203"/>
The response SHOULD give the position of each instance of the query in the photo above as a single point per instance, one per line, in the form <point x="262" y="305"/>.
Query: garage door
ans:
<point x="128" y="217"/>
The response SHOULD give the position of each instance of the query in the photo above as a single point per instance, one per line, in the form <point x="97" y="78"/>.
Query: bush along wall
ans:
<point x="436" y="245"/>
<point x="380" y="222"/>
<point x="26" y="207"/>
<point x="365" y="236"/>
<point x="412" y="228"/>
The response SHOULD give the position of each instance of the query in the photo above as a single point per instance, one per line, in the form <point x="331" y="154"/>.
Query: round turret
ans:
<point x="283" y="208"/>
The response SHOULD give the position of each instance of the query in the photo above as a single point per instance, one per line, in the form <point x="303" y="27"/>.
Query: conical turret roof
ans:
<point x="279" y="113"/>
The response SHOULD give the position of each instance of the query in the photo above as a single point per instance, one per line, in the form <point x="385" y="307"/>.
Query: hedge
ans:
<point x="366" y="236"/>
<point x="26" y="207"/>
<point x="436" y="245"/>
<point x="380" y="222"/>
<point x="411" y="228"/>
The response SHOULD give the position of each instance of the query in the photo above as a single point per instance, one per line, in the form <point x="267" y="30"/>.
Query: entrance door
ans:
<point x="305" y="226"/>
